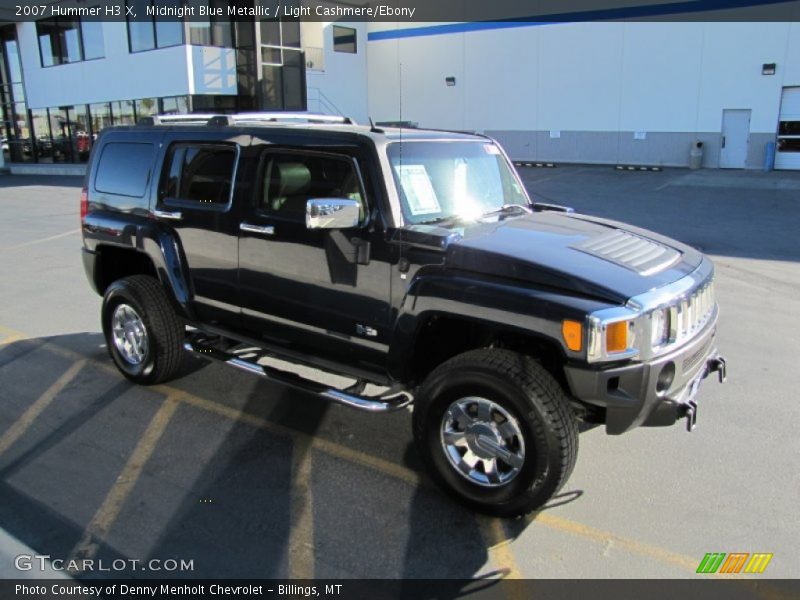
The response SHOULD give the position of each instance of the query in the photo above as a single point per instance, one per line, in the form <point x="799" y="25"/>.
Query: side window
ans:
<point x="289" y="180"/>
<point x="199" y="174"/>
<point x="124" y="169"/>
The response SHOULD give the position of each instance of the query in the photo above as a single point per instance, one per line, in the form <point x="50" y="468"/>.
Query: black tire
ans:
<point x="525" y="390"/>
<point x="165" y="331"/>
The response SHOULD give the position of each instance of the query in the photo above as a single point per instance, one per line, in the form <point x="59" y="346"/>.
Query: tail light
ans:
<point x="84" y="204"/>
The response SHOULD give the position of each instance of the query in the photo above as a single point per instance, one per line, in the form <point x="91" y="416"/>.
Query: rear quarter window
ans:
<point x="124" y="169"/>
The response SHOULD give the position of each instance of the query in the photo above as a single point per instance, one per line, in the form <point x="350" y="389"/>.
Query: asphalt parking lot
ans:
<point x="250" y="479"/>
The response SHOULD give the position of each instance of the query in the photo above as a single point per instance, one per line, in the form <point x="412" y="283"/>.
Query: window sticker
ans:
<point x="418" y="189"/>
<point x="491" y="149"/>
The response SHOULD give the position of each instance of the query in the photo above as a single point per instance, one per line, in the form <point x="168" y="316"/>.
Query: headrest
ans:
<point x="293" y="178"/>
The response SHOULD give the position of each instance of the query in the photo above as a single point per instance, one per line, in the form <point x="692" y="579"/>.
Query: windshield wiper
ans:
<point x="508" y="208"/>
<point x="443" y="221"/>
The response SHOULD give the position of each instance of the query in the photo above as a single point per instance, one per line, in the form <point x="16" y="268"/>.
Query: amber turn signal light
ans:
<point x="617" y="337"/>
<point x="572" y="331"/>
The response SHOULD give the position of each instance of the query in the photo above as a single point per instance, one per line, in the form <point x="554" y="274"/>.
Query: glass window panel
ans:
<point x="291" y="33"/>
<point x="12" y="54"/>
<point x="270" y="56"/>
<point x="169" y="33"/>
<point x="47" y="30"/>
<point x="206" y="174"/>
<point x="60" y="128"/>
<point x="344" y="39"/>
<point x="789" y="128"/>
<point x="271" y="33"/>
<point x="146" y="107"/>
<point x="271" y="88"/>
<point x="141" y="32"/>
<point x="199" y="28"/>
<point x="101" y="117"/>
<point x="70" y="35"/>
<point x="221" y="29"/>
<point x="81" y="140"/>
<point x="176" y="105"/>
<point x="93" y="43"/>
<point x="788" y="144"/>
<point x="41" y="133"/>
<point x="123" y="112"/>
<point x="124" y="169"/>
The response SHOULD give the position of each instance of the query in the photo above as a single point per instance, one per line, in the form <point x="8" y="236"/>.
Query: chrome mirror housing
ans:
<point x="332" y="213"/>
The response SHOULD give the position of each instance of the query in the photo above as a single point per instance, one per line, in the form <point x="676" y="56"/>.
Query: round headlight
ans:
<point x="659" y="327"/>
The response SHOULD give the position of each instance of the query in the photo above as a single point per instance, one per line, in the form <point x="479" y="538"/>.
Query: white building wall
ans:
<point x="342" y="87"/>
<point x="121" y="75"/>
<point x="585" y="92"/>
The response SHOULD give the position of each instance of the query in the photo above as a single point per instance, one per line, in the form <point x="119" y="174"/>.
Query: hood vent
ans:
<point x="631" y="251"/>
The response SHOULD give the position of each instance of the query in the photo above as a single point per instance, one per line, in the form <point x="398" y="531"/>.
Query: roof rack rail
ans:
<point x="190" y="119"/>
<point x="220" y="120"/>
<point x="286" y="116"/>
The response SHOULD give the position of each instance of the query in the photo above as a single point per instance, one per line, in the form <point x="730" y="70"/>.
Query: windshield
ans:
<point x="439" y="180"/>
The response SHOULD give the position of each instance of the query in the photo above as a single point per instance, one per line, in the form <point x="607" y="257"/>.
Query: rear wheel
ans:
<point x="496" y="430"/>
<point x="143" y="334"/>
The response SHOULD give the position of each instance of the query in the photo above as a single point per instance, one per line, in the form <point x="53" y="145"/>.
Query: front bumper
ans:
<point x="645" y="393"/>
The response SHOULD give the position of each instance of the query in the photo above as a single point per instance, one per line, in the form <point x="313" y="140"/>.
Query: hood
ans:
<point x="587" y="255"/>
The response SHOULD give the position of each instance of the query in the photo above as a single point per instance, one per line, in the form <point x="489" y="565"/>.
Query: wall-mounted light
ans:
<point x="450" y="81"/>
<point x="768" y="69"/>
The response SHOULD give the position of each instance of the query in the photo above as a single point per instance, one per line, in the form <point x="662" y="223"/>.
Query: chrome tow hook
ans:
<point x="719" y="365"/>
<point x="690" y="412"/>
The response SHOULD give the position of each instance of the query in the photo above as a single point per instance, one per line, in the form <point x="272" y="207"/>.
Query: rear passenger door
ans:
<point x="307" y="289"/>
<point x="195" y="198"/>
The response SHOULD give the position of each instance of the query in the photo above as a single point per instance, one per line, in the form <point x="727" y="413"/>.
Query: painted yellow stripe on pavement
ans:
<point x="41" y="240"/>
<point x="21" y="425"/>
<point x="301" y="530"/>
<point x="665" y="556"/>
<point x="105" y="516"/>
<point x="10" y="335"/>
<point x="499" y="547"/>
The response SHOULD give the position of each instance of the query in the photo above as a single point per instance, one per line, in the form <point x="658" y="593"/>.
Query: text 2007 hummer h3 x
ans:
<point x="408" y="259"/>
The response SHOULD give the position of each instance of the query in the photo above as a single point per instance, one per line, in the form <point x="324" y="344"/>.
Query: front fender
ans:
<point x="506" y="306"/>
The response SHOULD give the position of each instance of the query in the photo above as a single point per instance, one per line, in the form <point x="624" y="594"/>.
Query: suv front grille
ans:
<point x="692" y="313"/>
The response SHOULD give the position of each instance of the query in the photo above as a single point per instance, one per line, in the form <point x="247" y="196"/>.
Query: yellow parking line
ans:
<point x="301" y="531"/>
<point x="105" y="516"/>
<point x="13" y="433"/>
<point x="598" y="535"/>
<point x="10" y="335"/>
<point x="41" y="240"/>
<point x="499" y="547"/>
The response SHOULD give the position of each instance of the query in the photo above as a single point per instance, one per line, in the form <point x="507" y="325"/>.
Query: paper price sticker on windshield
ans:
<point x="417" y="187"/>
<point x="491" y="149"/>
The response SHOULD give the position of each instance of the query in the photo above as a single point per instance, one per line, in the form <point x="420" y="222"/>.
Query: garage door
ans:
<point x="788" y="150"/>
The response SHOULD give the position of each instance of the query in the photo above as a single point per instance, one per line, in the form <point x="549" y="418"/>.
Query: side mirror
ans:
<point x="332" y="213"/>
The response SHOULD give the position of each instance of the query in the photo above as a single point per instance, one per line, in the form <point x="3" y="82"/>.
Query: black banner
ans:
<point x="419" y="589"/>
<point x="407" y="11"/>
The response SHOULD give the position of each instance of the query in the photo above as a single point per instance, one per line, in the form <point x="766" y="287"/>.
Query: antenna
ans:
<point x="372" y="127"/>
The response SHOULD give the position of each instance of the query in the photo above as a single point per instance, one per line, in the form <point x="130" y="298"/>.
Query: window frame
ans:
<point x="257" y="206"/>
<point x="152" y="22"/>
<point x="81" y="44"/>
<point x="186" y="203"/>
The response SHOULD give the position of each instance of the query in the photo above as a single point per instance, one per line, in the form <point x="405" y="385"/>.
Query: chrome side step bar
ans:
<point x="389" y="401"/>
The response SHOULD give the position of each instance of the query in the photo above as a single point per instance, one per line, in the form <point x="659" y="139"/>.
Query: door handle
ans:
<point x="165" y="214"/>
<point x="723" y="141"/>
<point x="262" y="229"/>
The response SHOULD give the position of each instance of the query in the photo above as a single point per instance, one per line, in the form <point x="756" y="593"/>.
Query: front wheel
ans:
<point x="496" y="430"/>
<point x="143" y="334"/>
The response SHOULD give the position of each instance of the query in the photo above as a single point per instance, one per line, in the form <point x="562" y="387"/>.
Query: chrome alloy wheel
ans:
<point x="482" y="441"/>
<point x="130" y="335"/>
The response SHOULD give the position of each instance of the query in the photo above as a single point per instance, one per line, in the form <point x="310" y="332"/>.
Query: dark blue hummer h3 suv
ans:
<point x="414" y="263"/>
